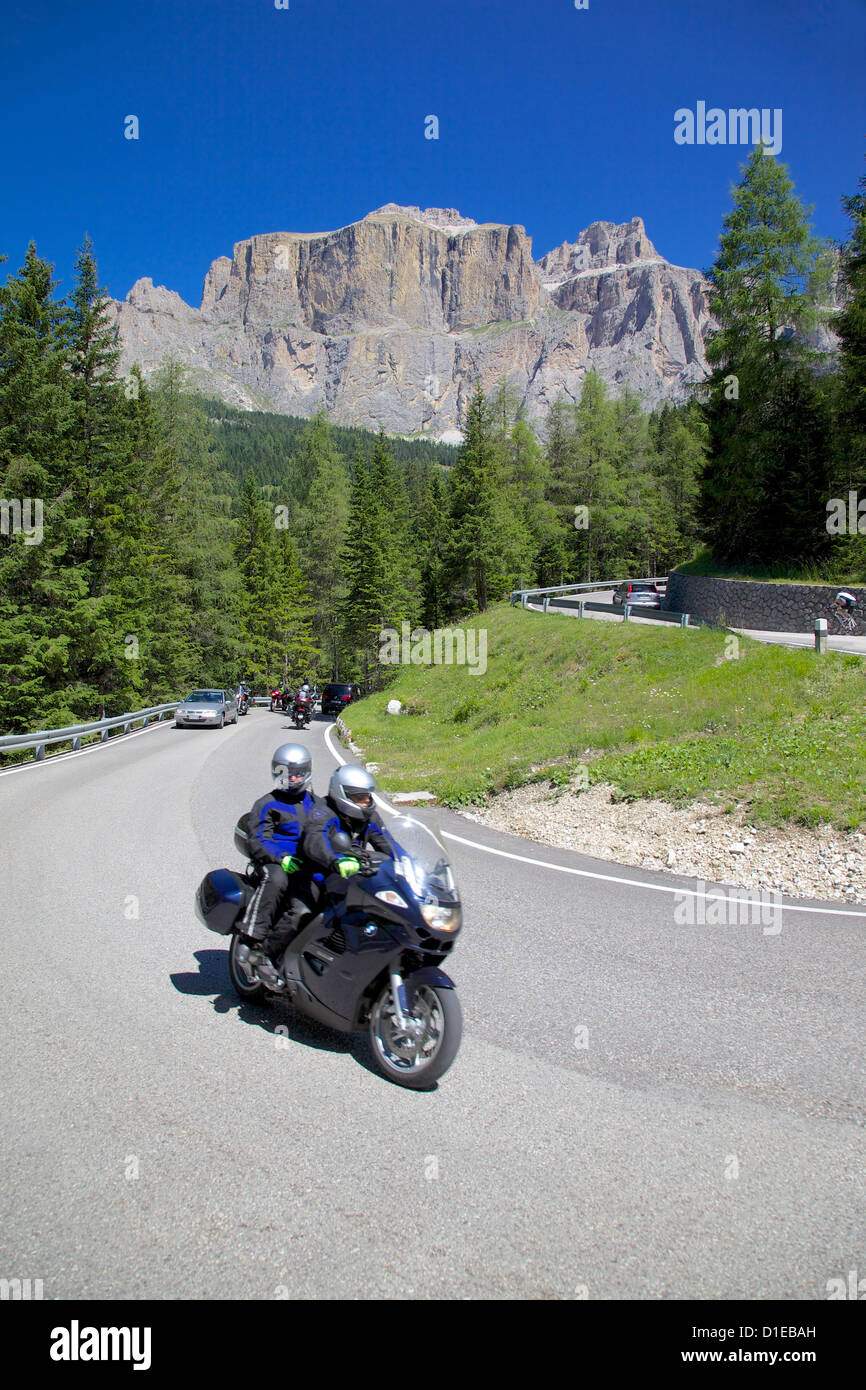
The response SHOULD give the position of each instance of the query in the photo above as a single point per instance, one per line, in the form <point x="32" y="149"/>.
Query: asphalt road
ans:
<point x="836" y="642"/>
<point x="640" y="1109"/>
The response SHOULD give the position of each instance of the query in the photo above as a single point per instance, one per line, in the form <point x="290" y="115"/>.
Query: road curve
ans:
<point x="640" y="1109"/>
<point x="836" y="642"/>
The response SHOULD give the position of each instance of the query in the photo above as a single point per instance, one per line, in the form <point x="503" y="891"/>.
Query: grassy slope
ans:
<point x="656" y="711"/>
<point x="831" y="572"/>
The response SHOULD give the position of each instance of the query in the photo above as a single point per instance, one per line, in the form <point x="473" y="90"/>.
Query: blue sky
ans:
<point x="254" y="119"/>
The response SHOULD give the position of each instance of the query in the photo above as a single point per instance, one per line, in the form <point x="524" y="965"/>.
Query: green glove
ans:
<point x="289" y="863"/>
<point x="348" y="866"/>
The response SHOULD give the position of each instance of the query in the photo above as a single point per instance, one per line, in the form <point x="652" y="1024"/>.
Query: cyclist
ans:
<point x="844" y="604"/>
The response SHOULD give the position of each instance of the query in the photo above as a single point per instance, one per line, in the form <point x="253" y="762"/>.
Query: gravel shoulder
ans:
<point x="698" y="840"/>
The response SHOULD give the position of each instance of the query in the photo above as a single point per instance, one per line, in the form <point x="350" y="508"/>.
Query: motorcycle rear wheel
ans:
<point x="417" y="1060"/>
<point x="245" y="985"/>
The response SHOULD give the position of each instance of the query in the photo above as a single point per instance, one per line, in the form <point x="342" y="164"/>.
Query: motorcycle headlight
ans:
<point x="441" y="918"/>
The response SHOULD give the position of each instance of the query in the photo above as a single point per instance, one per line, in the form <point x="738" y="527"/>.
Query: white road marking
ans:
<point x="639" y="883"/>
<point x="92" y="748"/>
<point x="609" y="878"/>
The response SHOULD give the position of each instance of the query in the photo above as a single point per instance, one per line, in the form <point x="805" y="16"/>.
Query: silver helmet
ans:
<point x="292" y="767"/>
<point x="350" y="792"/>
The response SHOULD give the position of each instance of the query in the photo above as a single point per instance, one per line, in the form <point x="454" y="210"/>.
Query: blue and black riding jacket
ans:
<point x="324" y="822"/>
<point x="276" y="824"/>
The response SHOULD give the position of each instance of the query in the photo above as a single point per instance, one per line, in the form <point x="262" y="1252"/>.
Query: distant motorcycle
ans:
<point x="286" y="701"/>
<point x="276" y="698"/>
<point x="244" y="702"/>
<point x="302" y="711"/>
<point x="372" y="958"/>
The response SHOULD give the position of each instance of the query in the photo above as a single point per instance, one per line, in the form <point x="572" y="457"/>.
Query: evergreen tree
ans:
<point x="596" y="478"/>
<point x="486" y="548"/>
<point x="43" y="596"/>
<point x="850" y="325"/>
<point x="321" y="531"/>
<point x="765" y="293"/>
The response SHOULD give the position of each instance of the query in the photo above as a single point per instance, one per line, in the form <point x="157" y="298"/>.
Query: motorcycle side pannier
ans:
<point x="221" y="899"/>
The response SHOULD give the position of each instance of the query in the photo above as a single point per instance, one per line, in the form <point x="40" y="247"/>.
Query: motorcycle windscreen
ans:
<point x="422" y="861"/>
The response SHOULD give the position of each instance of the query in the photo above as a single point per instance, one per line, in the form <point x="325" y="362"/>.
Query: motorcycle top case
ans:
<point x="221" y="899"/>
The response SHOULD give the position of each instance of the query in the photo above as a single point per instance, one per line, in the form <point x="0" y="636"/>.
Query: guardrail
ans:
<point x="597" y="585"/>
<point x="629" y="611"/>
<point x="74" y="733"/>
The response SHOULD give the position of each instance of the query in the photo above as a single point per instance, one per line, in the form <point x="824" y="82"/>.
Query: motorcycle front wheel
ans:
<point x="244" y="982"/>
<point x="422" y="1052"/>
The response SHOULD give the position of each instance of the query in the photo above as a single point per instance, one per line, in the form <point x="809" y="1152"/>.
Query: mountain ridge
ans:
<point x="389" y="321"/>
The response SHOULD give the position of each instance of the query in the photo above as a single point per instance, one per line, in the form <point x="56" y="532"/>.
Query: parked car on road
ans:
<point x="638" y="596"/>
<point x="336" y="697"/>
<point x="212" y="708"/>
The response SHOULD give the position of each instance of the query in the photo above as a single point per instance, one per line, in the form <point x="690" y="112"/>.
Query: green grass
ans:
<point x="656" y="711"/>
<point x="703" y="563"/>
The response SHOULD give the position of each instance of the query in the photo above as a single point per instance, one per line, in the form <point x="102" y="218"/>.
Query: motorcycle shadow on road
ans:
<point x="213" y="979"/>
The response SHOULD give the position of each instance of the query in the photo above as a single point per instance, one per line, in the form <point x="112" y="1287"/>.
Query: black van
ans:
<point x="336" y="697"/>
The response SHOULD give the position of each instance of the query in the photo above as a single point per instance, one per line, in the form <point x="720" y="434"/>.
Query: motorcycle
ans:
<point x="285" y="701"/>
<point x="302" y="711"/>
<point x="371" y="958"/>
<point x="244" y="702"/>
<point x="276" y="698"/>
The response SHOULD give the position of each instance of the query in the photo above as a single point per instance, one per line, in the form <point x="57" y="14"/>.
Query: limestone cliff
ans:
<point x="391" y="320"/>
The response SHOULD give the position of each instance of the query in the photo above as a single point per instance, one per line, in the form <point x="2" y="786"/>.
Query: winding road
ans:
<point x="640" y="1109"/>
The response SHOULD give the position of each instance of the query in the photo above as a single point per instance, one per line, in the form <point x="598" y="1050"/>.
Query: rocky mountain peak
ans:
<point x="391" y="320"/>
<point x="444" y="219"/>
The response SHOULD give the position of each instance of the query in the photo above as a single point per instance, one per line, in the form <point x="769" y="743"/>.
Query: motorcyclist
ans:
<point x="348" y="807"/>
<point x="275" y="828"/>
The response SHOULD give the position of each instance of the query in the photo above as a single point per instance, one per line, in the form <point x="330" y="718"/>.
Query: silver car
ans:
<point x="207" y="707"/>
<point x="638" y="596"/>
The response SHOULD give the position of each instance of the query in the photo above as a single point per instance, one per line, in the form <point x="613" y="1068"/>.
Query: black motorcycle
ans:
<point x="372" y="958"/>
<point x="244" y="702"/>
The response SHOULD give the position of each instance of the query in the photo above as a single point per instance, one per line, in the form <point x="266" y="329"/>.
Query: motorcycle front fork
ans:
<point x="398" y="994"/>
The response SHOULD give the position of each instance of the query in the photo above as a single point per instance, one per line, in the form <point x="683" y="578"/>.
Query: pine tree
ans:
<point x="765" y="293"/>
<point x="596" y="479"/>
<point x="43" y="596"/>
<point x="485" y="544"/>
<point x="321" y="531"/>
<point x="850" y="325"/>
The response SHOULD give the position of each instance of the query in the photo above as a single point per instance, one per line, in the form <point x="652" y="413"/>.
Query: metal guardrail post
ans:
<point x="545" y="603"/>
<point x="684" y="619"/>
<point x="580" y="608"/>
<point x="820" y="634"/>
<point x="626" y="612"/>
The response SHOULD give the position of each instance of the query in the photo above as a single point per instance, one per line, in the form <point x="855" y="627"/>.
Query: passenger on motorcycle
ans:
<point x="275" y="830"/>
<point x="349" y="808"/>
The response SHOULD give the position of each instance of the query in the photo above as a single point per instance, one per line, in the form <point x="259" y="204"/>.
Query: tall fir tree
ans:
<point x="766" y="292"/>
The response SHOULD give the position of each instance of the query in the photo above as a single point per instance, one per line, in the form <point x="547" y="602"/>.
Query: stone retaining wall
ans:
<point x="746" y="603"/>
